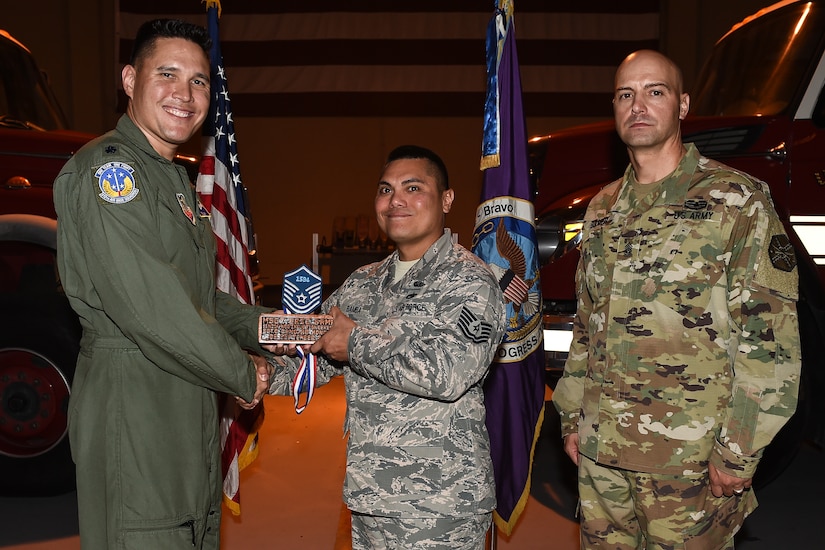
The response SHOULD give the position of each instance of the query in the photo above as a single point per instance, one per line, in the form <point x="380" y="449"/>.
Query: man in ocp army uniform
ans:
<point x="685" y="358"/>
<point x="414" y="336"/>
<point x="136" y="257"/>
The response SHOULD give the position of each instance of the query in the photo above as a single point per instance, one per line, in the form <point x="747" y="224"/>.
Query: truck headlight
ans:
<point x="558" y="232"/>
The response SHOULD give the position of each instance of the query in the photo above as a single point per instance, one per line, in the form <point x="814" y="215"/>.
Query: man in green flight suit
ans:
<point x="136" y="257"/>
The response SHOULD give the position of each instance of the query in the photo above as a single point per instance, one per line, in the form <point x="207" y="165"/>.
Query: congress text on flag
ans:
<point x="405" y="58"/>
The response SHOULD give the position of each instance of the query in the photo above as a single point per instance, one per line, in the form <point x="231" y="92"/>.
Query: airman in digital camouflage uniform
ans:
<point x="414" y="336"/>
<point x="137" y="262"/>
<point x="685" y="359"/>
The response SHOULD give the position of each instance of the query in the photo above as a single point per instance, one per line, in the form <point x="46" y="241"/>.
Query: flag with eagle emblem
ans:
<point x="505" y="238"/>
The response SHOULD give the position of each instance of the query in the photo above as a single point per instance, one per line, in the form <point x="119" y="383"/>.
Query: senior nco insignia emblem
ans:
<point x="301" y="291"/>
<point x="781" y="253"/>
<point x="117" y="183"/>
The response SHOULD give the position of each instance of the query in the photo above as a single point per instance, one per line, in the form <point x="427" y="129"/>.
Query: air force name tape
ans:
<point x="116" y="182"/>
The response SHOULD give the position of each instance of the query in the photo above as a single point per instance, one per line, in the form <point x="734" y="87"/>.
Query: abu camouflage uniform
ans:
<point x="686" y="345"/>
<point x="418" y="446"/>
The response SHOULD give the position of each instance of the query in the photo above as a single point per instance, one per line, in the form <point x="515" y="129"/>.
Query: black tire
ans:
<point x="39" y="340"/>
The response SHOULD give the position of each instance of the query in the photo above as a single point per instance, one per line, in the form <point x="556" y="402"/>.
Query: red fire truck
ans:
<point x="39" y="332"/>
<point x="759" y="106"/>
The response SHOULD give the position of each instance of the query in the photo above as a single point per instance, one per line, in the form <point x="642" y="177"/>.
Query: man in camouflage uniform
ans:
<point x="685" y="358"/>
<point x="414" y="336"/>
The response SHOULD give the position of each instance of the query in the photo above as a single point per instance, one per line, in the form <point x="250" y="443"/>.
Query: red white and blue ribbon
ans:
<point x="306" y="376"/>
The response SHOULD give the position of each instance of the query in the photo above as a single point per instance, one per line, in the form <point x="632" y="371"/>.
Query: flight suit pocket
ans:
<point x="179" y="537"/>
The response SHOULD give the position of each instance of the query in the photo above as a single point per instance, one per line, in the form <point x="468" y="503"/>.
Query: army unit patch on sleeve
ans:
<point x="781" y="253"/>
<point x="476" y="330"/>
<point x="117" y="183"/>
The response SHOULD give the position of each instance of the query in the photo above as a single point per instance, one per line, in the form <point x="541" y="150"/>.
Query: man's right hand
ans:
<point x="263" y="372"/>
<point x="571" y="447"/>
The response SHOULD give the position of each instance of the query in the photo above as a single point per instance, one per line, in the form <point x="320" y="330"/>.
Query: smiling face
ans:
<point x="168" y="93"/>
<point x="649" y="103"/>
<point x="410" y="206"/>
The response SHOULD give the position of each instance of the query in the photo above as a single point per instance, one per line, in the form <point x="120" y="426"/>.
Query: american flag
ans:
<point x="222" y="194"/>
<point x="505" y="238"/>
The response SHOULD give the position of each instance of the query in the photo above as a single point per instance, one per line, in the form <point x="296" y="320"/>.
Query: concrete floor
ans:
<point x="291" y="495"/>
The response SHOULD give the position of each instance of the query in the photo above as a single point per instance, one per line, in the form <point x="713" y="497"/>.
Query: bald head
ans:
<point x="648" y="106"/>
<point x="653" y="63"/>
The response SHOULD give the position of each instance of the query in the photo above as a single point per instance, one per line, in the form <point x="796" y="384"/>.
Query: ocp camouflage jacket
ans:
<point x="686" y="343"/>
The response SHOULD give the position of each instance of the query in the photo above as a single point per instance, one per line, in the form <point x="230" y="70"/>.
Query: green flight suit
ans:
<point x="137" y="263"/>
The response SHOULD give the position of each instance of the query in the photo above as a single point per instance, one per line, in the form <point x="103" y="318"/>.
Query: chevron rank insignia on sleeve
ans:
<point x="476" y="330"/>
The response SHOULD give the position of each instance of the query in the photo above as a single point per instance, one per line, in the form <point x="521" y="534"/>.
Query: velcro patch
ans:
<point x="781" y="253"/>
<point x="476" y="330"/>
<point x="116" y="181"/>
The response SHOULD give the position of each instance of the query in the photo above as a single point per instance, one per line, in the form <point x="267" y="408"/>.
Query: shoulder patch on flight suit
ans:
<point x="116" y="182"/>
<point x="473" y="328"/>
<point x="187" y="211"/>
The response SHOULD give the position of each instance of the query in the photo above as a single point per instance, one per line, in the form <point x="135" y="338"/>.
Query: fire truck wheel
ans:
<point x="39" y="343"/>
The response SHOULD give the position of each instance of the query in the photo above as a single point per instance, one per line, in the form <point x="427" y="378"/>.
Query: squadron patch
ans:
<point x="187" y="211"/>
<point x="476" y="330"/>
<point x="116" y="182"/>
<point x="781" y="253"/>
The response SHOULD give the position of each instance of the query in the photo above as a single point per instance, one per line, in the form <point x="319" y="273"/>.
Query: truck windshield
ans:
<point x="761" y="67"/>
<point x="26" y="100"/>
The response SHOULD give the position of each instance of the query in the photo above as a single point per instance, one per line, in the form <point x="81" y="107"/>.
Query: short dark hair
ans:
<point x="150" y="31"/>
<point x="417" y="152"/>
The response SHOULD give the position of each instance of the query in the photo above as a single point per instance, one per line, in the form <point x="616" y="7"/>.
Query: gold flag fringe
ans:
<point x="506" y="527"/>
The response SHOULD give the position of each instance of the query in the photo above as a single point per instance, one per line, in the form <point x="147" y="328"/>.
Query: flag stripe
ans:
<point x="375" y="58"/>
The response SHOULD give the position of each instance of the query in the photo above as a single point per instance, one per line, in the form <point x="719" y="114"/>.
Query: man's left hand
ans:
<point x="725" y="484"/>
<point x="334" y="342"/>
